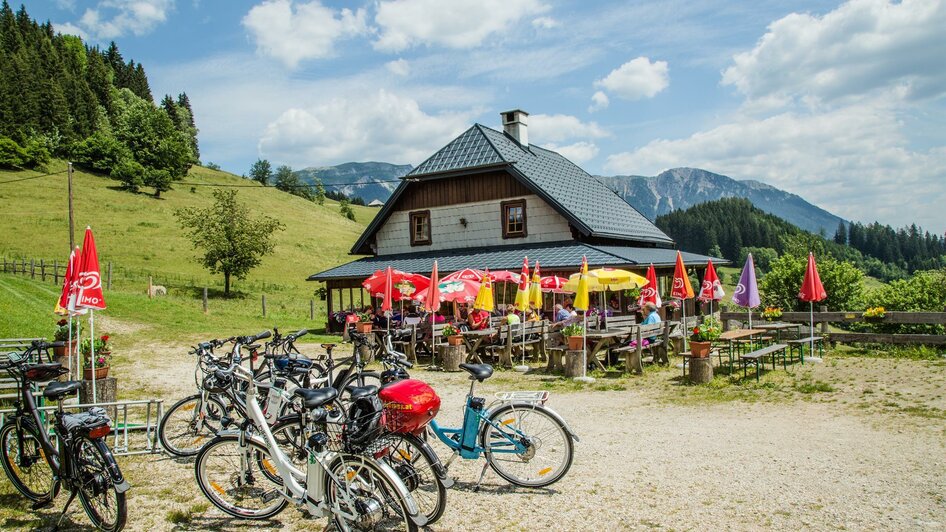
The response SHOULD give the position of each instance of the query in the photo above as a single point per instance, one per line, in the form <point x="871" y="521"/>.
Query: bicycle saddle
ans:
<point x="359" y="392"/>
<point x="480" y="372"/>
<point x="328" y="346"/>
<point x="314" y="398"/>
<point x="58" y="390"/>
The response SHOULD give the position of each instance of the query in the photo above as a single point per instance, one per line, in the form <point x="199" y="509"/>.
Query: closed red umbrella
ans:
<point x="432" y="303"/>
<point x="649" y="293"/>
<point x="812" y="290"/>
<point x="712" y="289"/>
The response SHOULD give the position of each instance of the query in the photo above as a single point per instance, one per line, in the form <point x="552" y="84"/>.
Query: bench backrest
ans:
<point x="625" y="321"/>
<point x="411" y="320"/>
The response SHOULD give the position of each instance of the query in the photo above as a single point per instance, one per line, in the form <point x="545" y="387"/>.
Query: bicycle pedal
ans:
<point x="44" y="503"/>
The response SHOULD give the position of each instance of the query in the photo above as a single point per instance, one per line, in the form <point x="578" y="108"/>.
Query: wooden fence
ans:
<point x="823" y="318"/>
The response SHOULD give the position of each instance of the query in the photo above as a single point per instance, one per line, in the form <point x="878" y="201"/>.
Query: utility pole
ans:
<point x="72" y="226"/>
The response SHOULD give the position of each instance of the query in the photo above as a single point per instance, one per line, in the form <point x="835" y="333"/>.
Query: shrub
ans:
<point x="100" y="152"/>
<point x="842" y="281"/>
<point x="924" y="292"/>
<point x="37" y="154"/>
<point x="130" y="173"/>
<point x="12" y="155"/>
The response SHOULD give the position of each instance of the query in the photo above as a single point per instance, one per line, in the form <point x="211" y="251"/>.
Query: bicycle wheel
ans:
<point x="28" y="470"/>
<point x="363" y="378"/>
<point x="363" y="497"/>
<point x="104" y="505"/>
<point x="415" y="461"/>
<point x="230" y="477"/>
<point x="548" y="448"/>
<point x="187" y="425"/>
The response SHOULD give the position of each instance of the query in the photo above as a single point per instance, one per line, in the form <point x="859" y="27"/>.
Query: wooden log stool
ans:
<point x="555" y="355"/>
<point x="701" y="370"/>
<point x="452" y="356"/>
<point x="573" y="363"/>
<point x="106" y="391"/>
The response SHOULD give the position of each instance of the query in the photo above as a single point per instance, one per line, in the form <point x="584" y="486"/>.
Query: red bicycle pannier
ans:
<point x="409" y="405"/>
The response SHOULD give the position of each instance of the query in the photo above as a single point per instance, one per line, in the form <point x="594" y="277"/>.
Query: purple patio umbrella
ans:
<point x="746" y="294"/>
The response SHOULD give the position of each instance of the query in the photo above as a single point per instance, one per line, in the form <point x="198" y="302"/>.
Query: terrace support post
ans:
<point x="351" y="298"/>
<point x="328" y="308"/>
<point x="824" y="326"/>
<point x="311" y="309"/>
<point x="205" y="300"/>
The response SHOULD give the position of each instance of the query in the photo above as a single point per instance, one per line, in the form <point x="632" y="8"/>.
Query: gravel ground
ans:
<point x="865" y="453"/>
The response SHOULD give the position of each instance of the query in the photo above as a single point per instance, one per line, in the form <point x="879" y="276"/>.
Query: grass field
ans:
<point x="140" y="234"/>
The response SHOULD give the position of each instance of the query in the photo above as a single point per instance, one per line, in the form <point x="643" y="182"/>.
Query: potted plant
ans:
<point x="103" y="355"/>
<point x="65" y="333"/>
<point x="452" y="334"/>
<point x="365" y="322"/>
<point x="874" y="314"/>
<point x="574" y="333"/>
<point x="772" y="313"/>
<point x="702" y="337"/>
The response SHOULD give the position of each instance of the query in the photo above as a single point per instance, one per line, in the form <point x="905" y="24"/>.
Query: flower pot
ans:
<point x="455" y="340"/>
<point x="364" y="326"/>
<point x="100" y="373"/>
<point x="700" y="349"/>
<point x="574" y="343"/>
<point x="64" y="350"/>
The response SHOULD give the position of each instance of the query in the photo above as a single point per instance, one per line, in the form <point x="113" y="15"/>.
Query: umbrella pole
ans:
<point x="69" y="354"/>
<point x="584" y="345"/>
<point x="683" y="305"/>
<point x="95" y="398"/>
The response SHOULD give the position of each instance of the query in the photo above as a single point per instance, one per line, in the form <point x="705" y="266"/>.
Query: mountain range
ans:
<point x="677" y="188"/>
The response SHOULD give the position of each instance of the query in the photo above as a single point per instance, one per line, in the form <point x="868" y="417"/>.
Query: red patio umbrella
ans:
<point x="554" y="284"/>
<point x="712" y="289"/>
<point x="404" y="284"/>
<point x="432" y="303"/>
<point x="467" y="274"/>
<point x="649" y="293"/>
<point x="812" y="290"/>
<point x="457" y="290"/>
<point x="90" y="292"/>
<point x="681" y="290"/>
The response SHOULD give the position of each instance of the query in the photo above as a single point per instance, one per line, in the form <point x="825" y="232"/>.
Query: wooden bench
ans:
<point x="800" y="343"/>
<point x="633" y="361"/>
<point x="757" y="358"/>
<point x="623" y="321"/>
<point x="528" y="334"/>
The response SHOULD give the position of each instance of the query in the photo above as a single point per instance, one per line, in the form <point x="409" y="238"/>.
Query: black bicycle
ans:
<point x="82" y="461"/>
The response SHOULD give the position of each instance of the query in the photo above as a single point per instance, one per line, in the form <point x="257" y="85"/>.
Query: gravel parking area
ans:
<point x="866" y="452"/>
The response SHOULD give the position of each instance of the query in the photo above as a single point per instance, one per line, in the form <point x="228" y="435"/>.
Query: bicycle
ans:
<point x="82" y="461"/>
<point x="523" y="441"/>
<point x="236" y="470"/>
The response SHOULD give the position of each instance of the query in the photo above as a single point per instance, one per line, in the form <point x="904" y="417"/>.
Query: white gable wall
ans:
<point x="483" y="227"/>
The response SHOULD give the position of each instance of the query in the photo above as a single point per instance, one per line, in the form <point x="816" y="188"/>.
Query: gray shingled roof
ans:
<point x="556" y="255"/>
<point x="588" y="204"/>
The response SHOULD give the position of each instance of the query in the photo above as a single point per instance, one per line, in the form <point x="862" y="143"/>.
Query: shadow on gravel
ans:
<point x="501" y="489"/>
<point x="227" y="523"/>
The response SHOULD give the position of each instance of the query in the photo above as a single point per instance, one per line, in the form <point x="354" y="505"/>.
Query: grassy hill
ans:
<point x="140" y="236"/>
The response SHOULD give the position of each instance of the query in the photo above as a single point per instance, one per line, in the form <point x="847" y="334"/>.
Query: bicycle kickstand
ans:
<point x="72" y="496"/>
<point x="476" y="488"/>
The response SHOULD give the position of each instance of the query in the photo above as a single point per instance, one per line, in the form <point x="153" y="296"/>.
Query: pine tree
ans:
<point x="840" y="236"/>
<point x="184" y="102"/>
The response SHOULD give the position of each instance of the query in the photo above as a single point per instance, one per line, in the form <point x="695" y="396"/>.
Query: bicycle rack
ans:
<point x="119" y="439"/>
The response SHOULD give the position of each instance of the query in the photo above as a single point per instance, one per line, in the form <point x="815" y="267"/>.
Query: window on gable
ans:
<point x="420" y="228"/>
<point x="514" y="218"/>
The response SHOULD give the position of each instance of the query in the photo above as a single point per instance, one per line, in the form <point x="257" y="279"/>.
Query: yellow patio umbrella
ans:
<point x="581" y="303"/>
<point x="484" y="298"/>
<point x="535" y="288"/>
<point x="607" y="279"/>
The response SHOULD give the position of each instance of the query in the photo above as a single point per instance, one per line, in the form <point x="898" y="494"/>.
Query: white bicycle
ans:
<point x="245" y="473"/>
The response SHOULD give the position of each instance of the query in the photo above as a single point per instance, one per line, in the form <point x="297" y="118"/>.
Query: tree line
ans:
<point x="60" y="97"/>
<point x="283" y="178"/>
<point x="732" y="227"/>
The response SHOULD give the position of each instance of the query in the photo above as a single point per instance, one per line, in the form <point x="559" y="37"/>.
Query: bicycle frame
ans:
<point x="463" y="440"/>
<point x="313" y="494"/>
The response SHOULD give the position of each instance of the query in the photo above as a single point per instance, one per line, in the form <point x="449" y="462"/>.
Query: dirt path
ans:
<point x="649" y="458"/>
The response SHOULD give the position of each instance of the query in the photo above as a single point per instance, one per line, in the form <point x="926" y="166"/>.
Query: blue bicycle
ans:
<point x="525" y="442"/>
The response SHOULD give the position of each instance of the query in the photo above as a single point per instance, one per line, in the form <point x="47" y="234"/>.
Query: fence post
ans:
<point x="4" y="264"/>
<point x="264" y="305"/>
<point x="42" y="269"/>
<point x="23" y="264"/>
<point x="32" y="268"/>
<point x="108" y="282"/>
<point x="824" y="324"/>
<point x="311" y="309"/>
<point x="55" y="270"/>
<point x="150" y="291"/>
<point x="205" y="300"/>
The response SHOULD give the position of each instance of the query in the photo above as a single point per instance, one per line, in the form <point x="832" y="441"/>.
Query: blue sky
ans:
<point x="841" y="103"/>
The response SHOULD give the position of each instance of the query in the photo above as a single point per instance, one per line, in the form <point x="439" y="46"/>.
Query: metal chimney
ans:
<point x="514" y="124"/>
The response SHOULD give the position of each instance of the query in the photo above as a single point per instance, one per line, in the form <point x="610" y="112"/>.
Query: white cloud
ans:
<point x="861" y="46"/>
<point x="578" y="153"/>
<point x="110" y="19"/>
<point x="71" y="29"/>
<point x="558" y="128"/>
<point x="399" y="67"/>
<point x="297" y="32"/>
<point x="454" y="24"/>
<point x="636" y="79"/>
<point x="545" y="23"/>
<point x="382" y="126"/>
<point x="854" y="161"/>
<point x="599" y="101"/>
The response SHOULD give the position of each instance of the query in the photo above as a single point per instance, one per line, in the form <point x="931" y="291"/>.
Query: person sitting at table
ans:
<point x="651" y="316"/>
<point x="511" y="317"/>
<point x="478" y="320"/>
<point x="532" y="314"/>
<point x="562" y="317"/>
<point x="613" y="304"/>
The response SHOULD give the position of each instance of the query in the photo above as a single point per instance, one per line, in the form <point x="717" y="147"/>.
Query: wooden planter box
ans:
<point x="64" y="350"/>
<point x="574" y="343"/>
<point x="455" y="340"/>
<point x="700" y="349"/>
<point x="100" y="373"/>
<point x="364" y="326"/>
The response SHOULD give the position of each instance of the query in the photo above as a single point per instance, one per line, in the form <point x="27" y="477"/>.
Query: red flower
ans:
<point x="104" y="337"/>
<point x="696" y="330"/>
<point x="61" y="322"/>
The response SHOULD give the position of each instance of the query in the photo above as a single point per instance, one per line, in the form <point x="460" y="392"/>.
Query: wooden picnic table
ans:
<point x="602" y="340"/>
<point x="738" y="334"/>
<point x="778" y="327"/>
<point x="473" y="341"/>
